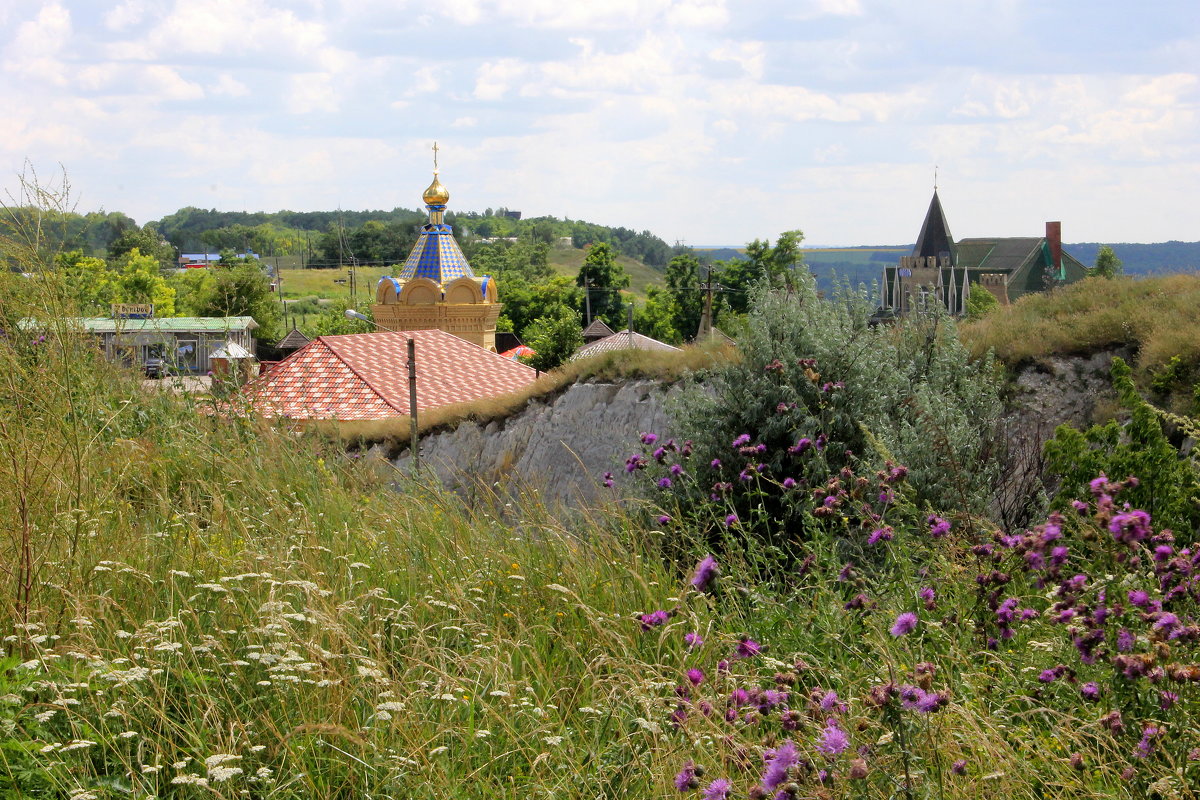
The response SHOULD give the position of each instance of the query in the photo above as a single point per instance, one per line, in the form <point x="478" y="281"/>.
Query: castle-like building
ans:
<point x="942" y="271"/>
<point x="436" y="287"/>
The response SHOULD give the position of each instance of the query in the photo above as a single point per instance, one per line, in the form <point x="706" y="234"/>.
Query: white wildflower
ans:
<point x="553" y="741"/>
<point x="498" y="693"/>
<point x="391" y="705"/>
<point x="216" y="588"/>
<point x="437" y="751"/>
<point x="178" y="573"/>
<point x="50" y="748"/>
<point x="77" y="744"/>
<point x="482" y="733"/>
<point x="195" y="780"/>
<point x="82" y="794"/>
<point x="45" y="716"/>
<point x="258" y="748"/>
<point x="127" y="734"/>
<point x="220" y="774"/>
<point x="445" y="696"/>
<point x="148" y="769"/>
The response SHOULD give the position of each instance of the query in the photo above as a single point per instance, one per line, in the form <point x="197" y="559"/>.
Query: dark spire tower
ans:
<point x="935" y="240"/>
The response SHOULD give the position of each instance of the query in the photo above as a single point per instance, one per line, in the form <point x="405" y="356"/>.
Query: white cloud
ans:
<point x="229" y="86"/>
<point x="495" y="78"/>
<point x="34" y="51"/>
<point x="310" y="92"/>
<point x="165" y="83"/>
<point x="126" y="14"/>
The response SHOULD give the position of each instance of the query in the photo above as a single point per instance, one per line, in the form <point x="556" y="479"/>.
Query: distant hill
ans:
<point x="865" y="264"/>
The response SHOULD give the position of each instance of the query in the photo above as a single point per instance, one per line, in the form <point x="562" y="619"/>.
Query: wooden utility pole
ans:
<point x="414" y="440"/>
<point x="587" y="299"/>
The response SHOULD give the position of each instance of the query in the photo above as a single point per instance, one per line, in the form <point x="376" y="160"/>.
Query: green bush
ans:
<point x="1168" y="484"/>
<point x="813" y="369"/>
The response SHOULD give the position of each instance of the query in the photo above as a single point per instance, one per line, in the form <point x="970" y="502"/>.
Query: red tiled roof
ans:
<point x="365" y="376"/>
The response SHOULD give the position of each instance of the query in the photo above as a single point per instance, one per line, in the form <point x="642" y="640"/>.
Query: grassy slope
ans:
<point x="319" y="283"/>
<point x="225" y="592"/>
<point x="1155" y="315"/>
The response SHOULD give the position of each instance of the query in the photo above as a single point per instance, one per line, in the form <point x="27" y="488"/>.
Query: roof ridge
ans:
<point x="356" y="373"/>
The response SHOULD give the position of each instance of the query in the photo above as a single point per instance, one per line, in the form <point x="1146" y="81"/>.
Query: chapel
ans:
<point x="436" y="288"/>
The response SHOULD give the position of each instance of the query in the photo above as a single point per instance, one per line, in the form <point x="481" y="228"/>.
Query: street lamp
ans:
<point x="414" y="441"/>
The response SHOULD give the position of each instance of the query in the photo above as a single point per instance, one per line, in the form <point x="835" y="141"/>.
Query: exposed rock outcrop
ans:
<point x="560" y="447"/>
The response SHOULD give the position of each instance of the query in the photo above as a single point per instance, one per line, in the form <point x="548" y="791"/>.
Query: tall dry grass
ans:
<point x="1157" y="316"/>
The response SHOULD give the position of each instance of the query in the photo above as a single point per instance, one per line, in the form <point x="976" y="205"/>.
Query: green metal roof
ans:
<point x="167" y="324"/>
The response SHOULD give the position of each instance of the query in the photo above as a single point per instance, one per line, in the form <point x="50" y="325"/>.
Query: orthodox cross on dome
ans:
<point x="435" y="152"/>
<point x="935" y="168"/>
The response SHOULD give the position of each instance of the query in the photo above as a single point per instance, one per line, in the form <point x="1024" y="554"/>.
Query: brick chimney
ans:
<point x="1054" y="240"/>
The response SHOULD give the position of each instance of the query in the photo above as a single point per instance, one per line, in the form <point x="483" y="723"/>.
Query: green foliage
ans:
<point x="605" y="277"/>
<point x="980" y="302"/>
<point x="813" y="368"/>
<point x="687" y="297"/>
<point x="1107" y="264"/>
<point x="554" y="337"/>
<point x="145" y="240"/>
<point x="241" y="289"/>
<point x="131" y="278"/>
<point x="656" y="318"/>
<point x="777" y="265"/>
<point x="1169" y="483"/>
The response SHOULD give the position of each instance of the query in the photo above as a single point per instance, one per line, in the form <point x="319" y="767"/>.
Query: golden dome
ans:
<point x="436" y="194"/>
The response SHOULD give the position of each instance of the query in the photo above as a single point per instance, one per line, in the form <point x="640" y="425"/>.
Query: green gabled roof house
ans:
<point x="942" y="271"/>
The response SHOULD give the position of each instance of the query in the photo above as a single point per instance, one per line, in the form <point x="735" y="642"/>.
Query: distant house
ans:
<point x="364" y="376"/>
<point x="197" y="260"/>
<point x="942" y="271"/>
<point x="622" y="340"/>
<point x="182" y="345"/>
<point x="596" y="331"/>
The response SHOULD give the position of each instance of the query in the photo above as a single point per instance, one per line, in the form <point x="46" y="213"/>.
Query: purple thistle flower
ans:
<point x="1125" y="640"/>
<point x="938" y="527"/>
<point x="663" y="519"/>
<point x="649" y="439"/>
<point x="664" y="482"/>
<point x="659" y="454"/>
<point x="905" y="624"/>
<point x="706" y="572"/>
<point x="731" y="520"/>
<point x="695" y="676"/>
<point x="1146" y="746"/>
<point x="747" y="648"/>
<point x="1048" y="676"/>
<point x="741" y="441"/>
<point x="692" y="640"/>
<point x="718" y="790"/>
<point x="715" y="463"/>
<point x="959" y="767"/>
<point x="789" y="483"/>
<point x="780" y="761"/>
<point x="929" y="596"/>
<point x="676" y="470"/>
<point x="1166" y="700"/>
<point x="653" y="619"/>
<point x="1166" y="621"/>
<point x="831" y="702"/>
<point x="800" y="446"/>
<point x="1139" y="598"/>
<point x="1130" y="526"/>
<point x="686" y="779"/>
<point x="1090" y="692"/>
<point x="833" y="740"/>
<point x="1079" y="506"/>
<point x="878" y="535"/>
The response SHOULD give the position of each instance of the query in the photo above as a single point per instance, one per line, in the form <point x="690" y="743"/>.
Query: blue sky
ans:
<point x="706" y="121"/>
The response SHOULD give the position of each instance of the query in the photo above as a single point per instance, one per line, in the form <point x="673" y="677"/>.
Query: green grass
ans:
<point x="186" y="597"/>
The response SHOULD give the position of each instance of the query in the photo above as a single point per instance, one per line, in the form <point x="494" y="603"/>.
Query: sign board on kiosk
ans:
<point x="132" y="311"/>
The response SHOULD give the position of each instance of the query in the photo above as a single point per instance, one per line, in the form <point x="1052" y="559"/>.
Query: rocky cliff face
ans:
<point x="560" y="447"/>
